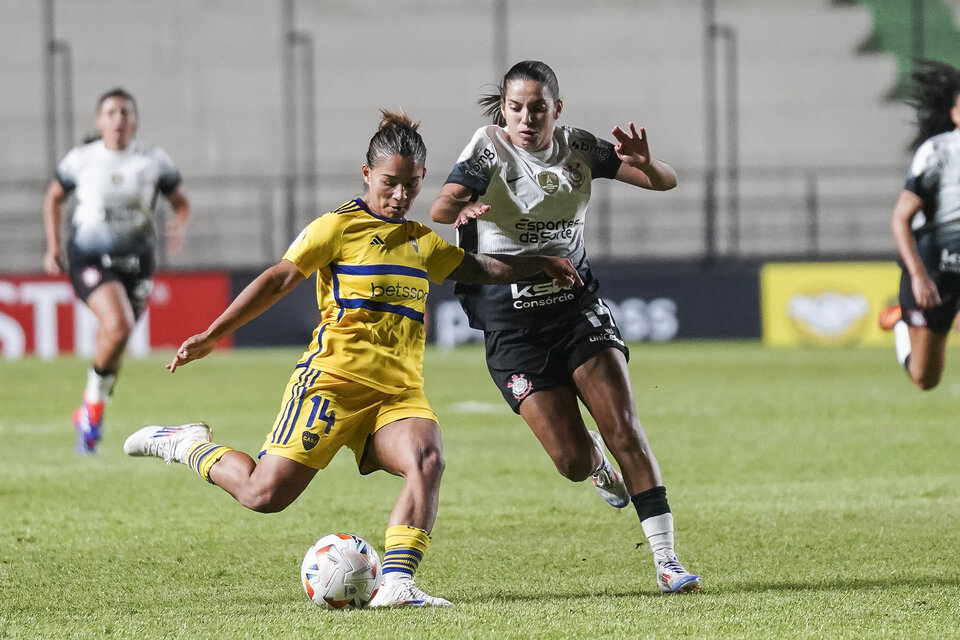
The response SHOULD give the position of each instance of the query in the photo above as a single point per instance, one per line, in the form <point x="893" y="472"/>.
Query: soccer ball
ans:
<point x="340" y="570"/>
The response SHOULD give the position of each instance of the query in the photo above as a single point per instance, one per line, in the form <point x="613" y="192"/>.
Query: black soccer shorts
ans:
<point x="134" y="271"/>
<point x="523" y="361"/>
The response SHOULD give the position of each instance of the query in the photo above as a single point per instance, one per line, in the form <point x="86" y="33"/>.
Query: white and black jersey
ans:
<point x="935" y="177"/>
<point x="538" y="203"/>
<point x="116" y="195"/>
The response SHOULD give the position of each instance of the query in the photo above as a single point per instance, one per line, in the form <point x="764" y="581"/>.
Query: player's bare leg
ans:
<point x="110" y="304"/>
<point x="554" y="417"/>
<point x="926" y="357"/>
<point x="412" y="449"/>
<point x="604" y="384"/>
<point x="267" y="486"/>
<point x="112" y="308"/>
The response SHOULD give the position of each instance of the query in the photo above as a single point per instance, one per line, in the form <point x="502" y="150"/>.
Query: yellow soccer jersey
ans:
<point x="372" y="283"/>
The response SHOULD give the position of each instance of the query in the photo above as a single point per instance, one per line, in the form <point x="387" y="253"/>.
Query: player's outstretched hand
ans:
<point x="470" y="212"/>
<point x="193" y="348"/>
<point x="632" y="147"/>
<point x="563" y="271"/>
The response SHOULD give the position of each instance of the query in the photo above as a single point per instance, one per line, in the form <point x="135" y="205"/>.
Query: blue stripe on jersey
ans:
<point x="306" y="363"/>
<point x="336" y="291"/>
<point x="377" y="270"/>
<point x="373" y="305"/>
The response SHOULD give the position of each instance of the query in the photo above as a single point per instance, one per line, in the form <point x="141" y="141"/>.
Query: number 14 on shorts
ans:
<point x="320" y="412"/>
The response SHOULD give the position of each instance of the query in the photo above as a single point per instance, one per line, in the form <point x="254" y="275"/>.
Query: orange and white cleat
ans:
<point x="889" y="316"/>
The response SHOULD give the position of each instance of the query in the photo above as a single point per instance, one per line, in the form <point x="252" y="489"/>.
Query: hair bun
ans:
<point x="401" y="119"/>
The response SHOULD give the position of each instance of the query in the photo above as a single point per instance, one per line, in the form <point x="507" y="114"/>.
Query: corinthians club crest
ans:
<point x="520" y="386"/>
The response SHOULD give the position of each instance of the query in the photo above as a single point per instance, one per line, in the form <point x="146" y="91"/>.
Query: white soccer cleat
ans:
<point x="673" y="578"/>
<point x="404" y="593"/>
<point x="169" y="443"/>
<point x="607" y="480"/>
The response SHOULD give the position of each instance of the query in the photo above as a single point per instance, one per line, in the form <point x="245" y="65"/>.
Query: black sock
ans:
<point x="650" y="503"/>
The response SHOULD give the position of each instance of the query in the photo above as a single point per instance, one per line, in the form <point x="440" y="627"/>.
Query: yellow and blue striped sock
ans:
<point x="203" y="455"/>
<point x="405" y="546"/>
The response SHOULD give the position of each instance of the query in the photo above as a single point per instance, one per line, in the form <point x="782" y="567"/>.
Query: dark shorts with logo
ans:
<point x="524" y="361"/>
<point x="941" y="258"/>
<point x="939" y="318"/>
<point x="134" y="271"/>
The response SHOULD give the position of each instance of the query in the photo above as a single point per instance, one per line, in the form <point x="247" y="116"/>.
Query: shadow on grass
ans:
<point x="921" y="582"/>
<point x="840" y="584"/>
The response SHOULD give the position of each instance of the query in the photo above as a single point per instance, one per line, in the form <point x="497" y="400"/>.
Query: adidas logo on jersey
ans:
<point x="377" y="241"/>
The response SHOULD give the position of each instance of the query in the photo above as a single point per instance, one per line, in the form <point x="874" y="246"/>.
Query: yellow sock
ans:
<point x="203" y="455"/>
<point x="405" y="546"/>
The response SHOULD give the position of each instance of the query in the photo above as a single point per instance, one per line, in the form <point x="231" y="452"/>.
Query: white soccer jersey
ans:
<point x="935" y="177"/>
<point x="538" y="203"/>
<point x="116" y="194"/>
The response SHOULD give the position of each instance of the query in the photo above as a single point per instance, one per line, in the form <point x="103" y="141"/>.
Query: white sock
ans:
<point x="659" y="532"/>
<point x="901" y="337"/>
<point x="99" y="388"/>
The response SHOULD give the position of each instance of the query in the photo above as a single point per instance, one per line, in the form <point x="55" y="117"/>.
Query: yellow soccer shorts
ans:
<point x="321" y="412"/>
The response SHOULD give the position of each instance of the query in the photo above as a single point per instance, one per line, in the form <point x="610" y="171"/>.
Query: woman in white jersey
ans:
<point x="110" y="251"/>
<point x="360" y="383"/>
<point x="926" y="229"/>
<point x="521" y="187"/>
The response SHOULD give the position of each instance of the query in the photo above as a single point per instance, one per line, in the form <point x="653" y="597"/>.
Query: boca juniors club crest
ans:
<point x="310" y="440"/>
<point x="520" y="386"/>
<point x="549" y="182"/>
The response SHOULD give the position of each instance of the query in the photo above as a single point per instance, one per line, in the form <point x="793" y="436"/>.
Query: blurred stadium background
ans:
<point x="784" y="119"/>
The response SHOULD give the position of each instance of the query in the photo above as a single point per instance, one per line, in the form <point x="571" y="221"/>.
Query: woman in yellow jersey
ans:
<point x="360" y="383"/>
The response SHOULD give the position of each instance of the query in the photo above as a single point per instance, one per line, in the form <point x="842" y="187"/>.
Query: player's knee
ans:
<point x="118" y="329"/>
<point x="430" y="462"/>
<point x="265" y="500"/>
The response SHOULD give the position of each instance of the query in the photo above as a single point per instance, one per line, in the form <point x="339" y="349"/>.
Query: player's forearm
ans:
<point x="483" y="268"/>
<point x="907" y="206"/>
<point x="661" y="175"/>
<point x="51" y="220"/>
<point x="907" y="248"/>
<point x="446" y="209"/>
<point x="256" y="297"/>
<point x="181" y="207"/>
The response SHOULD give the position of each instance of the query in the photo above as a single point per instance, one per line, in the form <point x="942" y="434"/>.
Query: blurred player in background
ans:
<point x="521" y="187"/>
<point x="360" y="382"/>
<point x="110" y="251"/>
<point x="926" y="229"/>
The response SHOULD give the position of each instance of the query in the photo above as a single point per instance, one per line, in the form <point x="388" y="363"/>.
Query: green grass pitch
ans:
<point x="816" y="491"/>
